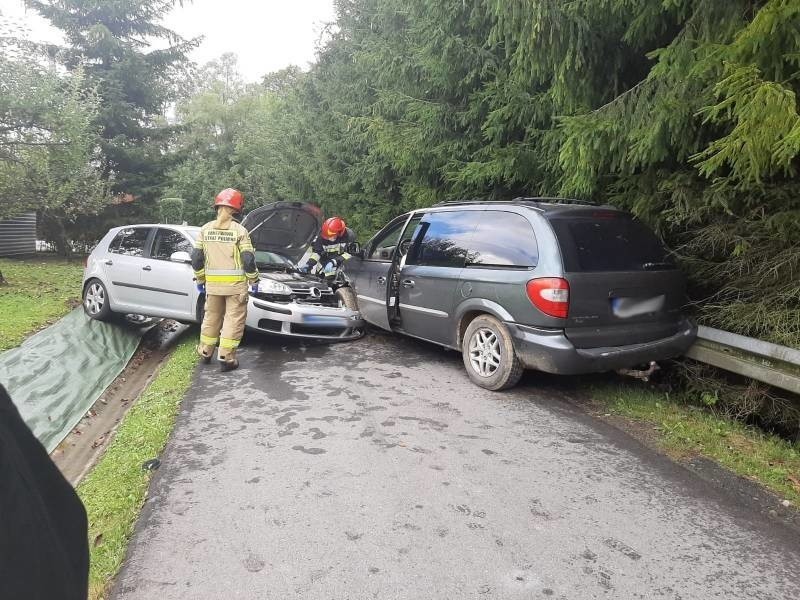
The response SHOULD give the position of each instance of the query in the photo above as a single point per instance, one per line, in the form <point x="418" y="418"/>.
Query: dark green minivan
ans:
<point x="546" y="284"/>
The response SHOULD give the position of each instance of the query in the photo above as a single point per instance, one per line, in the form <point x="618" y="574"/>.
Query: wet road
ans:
<point x="376" y="470"/>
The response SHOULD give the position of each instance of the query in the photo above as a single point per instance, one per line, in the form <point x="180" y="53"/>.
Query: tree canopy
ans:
<point x="132" y="62"/>
<point x="47" y="139"/>
<point x="684" y="112"/>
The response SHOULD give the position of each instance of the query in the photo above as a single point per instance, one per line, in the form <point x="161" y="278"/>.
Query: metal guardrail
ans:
<point x="769" y="363"/>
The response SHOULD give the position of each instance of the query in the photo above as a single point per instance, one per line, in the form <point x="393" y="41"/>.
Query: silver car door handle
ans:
<point x="108" y="262"/>
<point x="147" y="268"/>
<point x="381" y="280"/>
<point x="408" y="283"/>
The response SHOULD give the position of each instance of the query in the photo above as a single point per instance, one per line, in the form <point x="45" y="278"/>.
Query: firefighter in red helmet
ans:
<point x="224" y="264"/>
<point x="330" y="245"/>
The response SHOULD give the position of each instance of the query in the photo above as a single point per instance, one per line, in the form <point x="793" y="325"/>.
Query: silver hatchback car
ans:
<point x="146" y="270"/>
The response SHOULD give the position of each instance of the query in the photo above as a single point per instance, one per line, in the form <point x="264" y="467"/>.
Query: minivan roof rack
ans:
<point x="554" y="200"/>
<point x="521" y="200"/>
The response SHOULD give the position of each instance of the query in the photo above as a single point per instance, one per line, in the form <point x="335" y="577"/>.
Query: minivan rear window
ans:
<point x="611" y="243"/>
<point x="502" y="239"/>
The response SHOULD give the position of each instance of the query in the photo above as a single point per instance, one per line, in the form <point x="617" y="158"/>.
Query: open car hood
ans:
<point x="285" y="228"/>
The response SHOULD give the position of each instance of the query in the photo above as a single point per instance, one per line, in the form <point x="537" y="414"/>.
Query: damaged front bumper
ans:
<point x="306" y="321"/>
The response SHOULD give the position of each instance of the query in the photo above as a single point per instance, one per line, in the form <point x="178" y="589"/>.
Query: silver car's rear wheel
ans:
<point x="95" y="300"/>
<point x="489" y="355"/>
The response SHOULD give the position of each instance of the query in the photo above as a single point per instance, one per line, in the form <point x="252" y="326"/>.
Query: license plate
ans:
<point x="625" y="308"/>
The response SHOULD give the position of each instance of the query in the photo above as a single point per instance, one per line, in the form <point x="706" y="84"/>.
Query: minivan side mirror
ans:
<point x="180" y="257"/>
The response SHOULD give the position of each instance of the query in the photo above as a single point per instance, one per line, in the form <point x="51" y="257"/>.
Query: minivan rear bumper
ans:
<point x="550" y="351"/>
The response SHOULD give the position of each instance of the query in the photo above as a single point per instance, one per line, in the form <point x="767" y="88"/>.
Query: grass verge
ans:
<point x="114" y="491"/>
<point x="683" y="431"/>
<point x="39" y="291"/>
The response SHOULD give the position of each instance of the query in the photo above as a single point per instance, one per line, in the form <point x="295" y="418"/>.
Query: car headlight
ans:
<point x="269" y="286"/>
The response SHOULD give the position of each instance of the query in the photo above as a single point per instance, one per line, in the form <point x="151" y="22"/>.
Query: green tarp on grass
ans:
<point x="55" y="376"/>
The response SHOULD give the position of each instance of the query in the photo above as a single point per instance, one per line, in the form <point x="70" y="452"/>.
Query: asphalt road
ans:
<point x="376" y="470"/>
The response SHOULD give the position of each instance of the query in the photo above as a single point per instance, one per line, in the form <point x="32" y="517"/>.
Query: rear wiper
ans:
<point x="653" y="266"/>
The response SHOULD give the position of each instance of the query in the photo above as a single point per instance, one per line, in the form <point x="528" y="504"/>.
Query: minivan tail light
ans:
<point x="550" y="295"/>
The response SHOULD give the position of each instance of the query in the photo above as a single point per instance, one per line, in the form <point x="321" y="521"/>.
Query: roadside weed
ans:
<point x="114" y="491"/>
<point x="686" y="431"/>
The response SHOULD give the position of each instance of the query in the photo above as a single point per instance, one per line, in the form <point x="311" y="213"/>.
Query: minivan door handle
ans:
<point x="108" y="262"/>
<point x="408" y="283"/>
<point x="381" y="280"/>
<point x="147" y="268"/>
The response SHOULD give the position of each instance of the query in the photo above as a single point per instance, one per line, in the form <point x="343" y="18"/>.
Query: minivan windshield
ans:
<point x="611" y="242"/>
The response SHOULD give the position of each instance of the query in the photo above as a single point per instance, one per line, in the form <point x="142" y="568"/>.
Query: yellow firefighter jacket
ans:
<point x="224" y="259"/>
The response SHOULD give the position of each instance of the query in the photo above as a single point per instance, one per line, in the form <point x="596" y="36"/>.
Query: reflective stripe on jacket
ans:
<point x="324" y="250"/>
<point x="223" y="269"/>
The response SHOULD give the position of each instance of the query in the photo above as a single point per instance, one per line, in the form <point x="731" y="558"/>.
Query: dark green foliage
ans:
<point x="47" y="140"/>
<point x="170" y="210"/>
<point x="110" y="42"/>
<point x="684" y="112"/>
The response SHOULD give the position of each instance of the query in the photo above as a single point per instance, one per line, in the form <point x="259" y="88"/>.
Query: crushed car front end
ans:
<point x="290" y="303"/>
<point x="293" y="305"/>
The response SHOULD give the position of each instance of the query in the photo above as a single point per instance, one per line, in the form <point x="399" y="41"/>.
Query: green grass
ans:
<point x="685" y="431"/>
<point x="39" y="292"/>
<point x="114" y="491"/>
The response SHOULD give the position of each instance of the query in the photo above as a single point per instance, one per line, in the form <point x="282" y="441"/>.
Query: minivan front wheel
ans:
<point x="95" y="301"/>
<point x="489" y="355"/>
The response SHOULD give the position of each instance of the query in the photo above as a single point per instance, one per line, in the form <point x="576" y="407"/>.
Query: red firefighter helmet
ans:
<point x="230" y="197"/>
<point x="333" y="228"/>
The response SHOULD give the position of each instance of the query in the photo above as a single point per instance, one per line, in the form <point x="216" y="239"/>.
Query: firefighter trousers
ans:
<point x="223" y="325"/>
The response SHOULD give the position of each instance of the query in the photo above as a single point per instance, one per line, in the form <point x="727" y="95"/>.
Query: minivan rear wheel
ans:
<point x="95" y="301"/>
<point x="489" y="356"/>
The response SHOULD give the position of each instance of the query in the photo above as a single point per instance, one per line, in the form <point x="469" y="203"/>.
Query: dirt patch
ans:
<point x="82" y="448"/>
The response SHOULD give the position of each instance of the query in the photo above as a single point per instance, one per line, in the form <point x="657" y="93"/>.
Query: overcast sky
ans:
<point x="267" y="35"/>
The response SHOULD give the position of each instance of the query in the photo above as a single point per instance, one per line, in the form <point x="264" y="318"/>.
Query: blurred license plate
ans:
<point x="625" y="308"/>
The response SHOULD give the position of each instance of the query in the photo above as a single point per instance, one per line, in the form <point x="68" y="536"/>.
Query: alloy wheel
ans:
<point x="484" y="352"/>
<point x="95" y="298"/>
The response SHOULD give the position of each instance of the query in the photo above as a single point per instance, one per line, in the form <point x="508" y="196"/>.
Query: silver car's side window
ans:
<point x="169" y="241"/>
<point x="130" y="241"/>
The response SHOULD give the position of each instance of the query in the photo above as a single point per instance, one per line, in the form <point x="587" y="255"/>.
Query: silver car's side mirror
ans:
<point x="180" y="257"/>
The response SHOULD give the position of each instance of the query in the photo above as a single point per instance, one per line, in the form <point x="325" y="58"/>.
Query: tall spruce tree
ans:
<point x="117" y="43"/>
